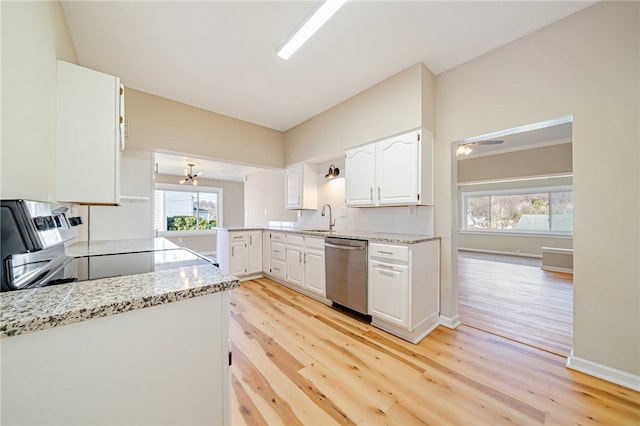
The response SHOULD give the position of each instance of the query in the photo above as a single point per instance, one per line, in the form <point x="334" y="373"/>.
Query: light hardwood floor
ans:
<point x="518" y="301"/>
<point x="299" y="362"/>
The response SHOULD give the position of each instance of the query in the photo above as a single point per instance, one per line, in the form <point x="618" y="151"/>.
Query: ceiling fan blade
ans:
<point x="488" y="142"/>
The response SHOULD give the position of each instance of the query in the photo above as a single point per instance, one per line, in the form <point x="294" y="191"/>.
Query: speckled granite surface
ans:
<point x="27" y="311"/>
<point x="373" y="237"/>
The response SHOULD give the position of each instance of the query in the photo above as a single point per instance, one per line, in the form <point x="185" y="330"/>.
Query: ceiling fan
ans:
<point x="465" y="149"/>
<point x="189" y="176"/>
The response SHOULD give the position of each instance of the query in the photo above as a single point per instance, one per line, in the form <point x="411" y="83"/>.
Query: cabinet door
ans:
<point x="314" y="273"/>
<point x="88" y="140"/>
<point x="238" y="259"/>
<point x="254" y="249"/>
<point x="389" y="292"/>
<point x="360" y="176"/>
<point x="293" y="188"/>
<point x="266" y="251"/>
<point x="397" y="170"/>
<point x="295" y="265"/>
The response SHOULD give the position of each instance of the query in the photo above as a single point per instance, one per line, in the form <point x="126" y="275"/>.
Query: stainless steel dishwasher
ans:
<point x="346" y="273"/>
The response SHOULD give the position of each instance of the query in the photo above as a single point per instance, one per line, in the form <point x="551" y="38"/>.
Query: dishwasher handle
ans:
<point x="343" y="247"/>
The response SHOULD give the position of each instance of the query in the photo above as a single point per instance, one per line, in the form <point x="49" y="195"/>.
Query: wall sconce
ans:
<point x="333" y="172"/>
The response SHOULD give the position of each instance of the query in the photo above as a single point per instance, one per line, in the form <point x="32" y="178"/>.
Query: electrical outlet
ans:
<point x="179" y="240"/>
<point x="412" y="210"/>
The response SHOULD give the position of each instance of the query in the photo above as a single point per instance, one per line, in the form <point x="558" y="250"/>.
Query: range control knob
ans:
<point x="75" y="221"/>
<point x="40" y="223"/>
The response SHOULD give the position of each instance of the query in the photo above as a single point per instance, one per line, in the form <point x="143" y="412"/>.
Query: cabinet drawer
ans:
<point x="314" y="243"/>
<point x="278" y="268"/>
<point x="295" y="239"/>
<point x="277" y="237"/>
<point x="386" y="251"/>
<point x="237" y="236"/>
<point x="278" y="251"/>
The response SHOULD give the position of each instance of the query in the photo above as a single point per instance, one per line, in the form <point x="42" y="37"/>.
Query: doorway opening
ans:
<point x="512" y="195"/>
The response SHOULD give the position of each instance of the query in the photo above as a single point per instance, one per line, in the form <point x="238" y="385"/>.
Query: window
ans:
<point x="182" y="209"/>
<point x="539" y="210"/>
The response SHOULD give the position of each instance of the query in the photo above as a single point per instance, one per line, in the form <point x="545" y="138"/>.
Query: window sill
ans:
<point x="518" y="234"/>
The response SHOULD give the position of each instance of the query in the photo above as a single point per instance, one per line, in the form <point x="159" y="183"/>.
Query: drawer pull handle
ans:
<point x="385" y="252"/>
<point x="385" y="267"/>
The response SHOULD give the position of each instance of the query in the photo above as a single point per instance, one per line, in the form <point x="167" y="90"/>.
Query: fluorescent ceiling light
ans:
<point x="312" y="24"/>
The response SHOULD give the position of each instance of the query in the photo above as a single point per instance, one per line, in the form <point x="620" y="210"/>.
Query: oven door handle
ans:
<point x="343" y="247"/>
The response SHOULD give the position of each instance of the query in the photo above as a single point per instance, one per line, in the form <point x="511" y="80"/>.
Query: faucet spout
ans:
<point x="332" y="221"/>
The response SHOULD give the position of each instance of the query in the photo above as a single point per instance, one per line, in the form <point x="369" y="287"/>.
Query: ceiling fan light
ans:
<point x="463" y="150"/>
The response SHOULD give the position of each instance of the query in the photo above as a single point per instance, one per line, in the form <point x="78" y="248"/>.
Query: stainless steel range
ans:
<point x="33" y="253"/>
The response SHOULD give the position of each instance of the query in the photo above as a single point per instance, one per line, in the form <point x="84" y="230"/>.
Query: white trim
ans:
<point x="604" y="372"/>
<point x="518" y="179"/>
<point x="507" y="253"/>
<point x="172" y="234"/>
<point x="513" y="233"/>
<point x="519" y="191"/>
<point x="556" y="250"/>
<point x="450" y="322"/>
<point x="519" y="147"/>
<point x="514" y="130"/>
<point x="557" y="269"/>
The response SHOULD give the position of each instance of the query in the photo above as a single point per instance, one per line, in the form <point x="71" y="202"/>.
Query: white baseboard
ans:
<point x="603" y="372"/>
<point x="450" y="322"/>
<point x="557" y="269"/>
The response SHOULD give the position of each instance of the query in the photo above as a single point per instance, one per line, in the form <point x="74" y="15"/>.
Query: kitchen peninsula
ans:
<point x="147" y="348"/>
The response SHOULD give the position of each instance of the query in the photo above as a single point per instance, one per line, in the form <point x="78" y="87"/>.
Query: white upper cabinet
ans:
<point x="360" y="175"/>
<point x="301" y="187"/>
<point x="89" y="138"/>
<point x="391" y="172"/>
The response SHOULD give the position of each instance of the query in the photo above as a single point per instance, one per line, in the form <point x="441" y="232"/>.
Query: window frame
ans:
<point x="505" y="192"/>
<point x="190" y="189"/>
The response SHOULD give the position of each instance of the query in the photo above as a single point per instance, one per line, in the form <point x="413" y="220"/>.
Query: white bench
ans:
<point x="557" y="259"/>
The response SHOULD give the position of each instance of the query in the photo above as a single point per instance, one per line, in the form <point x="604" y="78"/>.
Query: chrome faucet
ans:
<point x="332" y="222"/>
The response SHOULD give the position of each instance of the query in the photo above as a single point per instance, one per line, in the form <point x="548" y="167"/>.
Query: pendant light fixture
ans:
<point x="189" y="176"/>
<point x="333" y="172"/>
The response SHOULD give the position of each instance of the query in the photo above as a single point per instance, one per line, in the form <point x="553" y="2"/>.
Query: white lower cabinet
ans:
<point x="295" y="265"/>
<point x="404" y="288"/>
<point x="314" y="272"/>
<point x="240" y="253"/>
<point x="278" y="255"/>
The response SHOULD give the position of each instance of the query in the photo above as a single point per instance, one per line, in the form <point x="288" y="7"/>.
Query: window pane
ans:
<point x="208" y="210"/>
<point x="532" y="212"/>
<point x="477" y="212"/>
<point x="179" y="209"/>
<point x="562" y="211"/>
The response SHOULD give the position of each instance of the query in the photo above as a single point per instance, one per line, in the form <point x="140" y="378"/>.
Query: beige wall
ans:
<point x="34" y="35"/>
<point x="393" y="106"/>
<point x="586" y="65"/>
<point x="159" y="124"/>
<point x="542" y="161"/>
<point x="264" y="199"/>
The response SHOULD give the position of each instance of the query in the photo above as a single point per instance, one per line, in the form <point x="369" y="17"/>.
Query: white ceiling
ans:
<point x="220" y="55"/>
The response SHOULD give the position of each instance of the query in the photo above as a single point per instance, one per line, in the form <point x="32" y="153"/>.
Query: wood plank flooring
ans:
<point x="517" y="301"/>
<point x="299" y="362"/>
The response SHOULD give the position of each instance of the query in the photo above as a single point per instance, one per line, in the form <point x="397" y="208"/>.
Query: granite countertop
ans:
<point x="26" y="311"/>
<point x="372" y="237"/>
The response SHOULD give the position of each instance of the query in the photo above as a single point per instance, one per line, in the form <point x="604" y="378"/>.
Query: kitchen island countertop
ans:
<point x="26" y="311"/>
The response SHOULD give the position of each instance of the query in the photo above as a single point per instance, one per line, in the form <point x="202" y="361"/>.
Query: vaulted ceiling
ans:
<point x="220" y="55"/>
